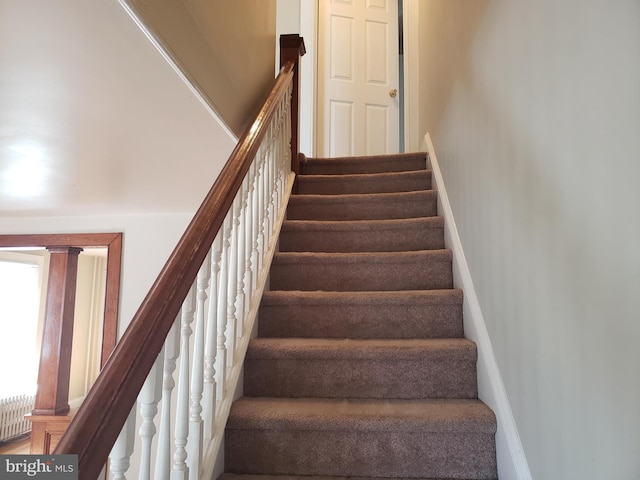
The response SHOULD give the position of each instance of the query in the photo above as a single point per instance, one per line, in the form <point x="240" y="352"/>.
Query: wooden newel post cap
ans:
<point x="293" y="41"/>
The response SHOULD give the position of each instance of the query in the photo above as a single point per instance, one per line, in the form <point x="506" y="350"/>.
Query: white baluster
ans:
<point x="194" y="445"/>
<point x="232" y="286"/>
<point x="209" y="391"/>
<point x="221" y="314"/>
<point x="282" y="157"/>
<point x="258" y="211"/>
<point x="276" y="164"/>
<point x="286" y="147"/>
<point x="267" y="193"/>
<point x="180" y="469"/>
<point x="241" y="244"/>
<point x="274" y="175"/>
<point x="171" y="351"/>
<point x="249" y="235"/>
<point x="278" y="160"/>
<point x="148" y="399"/>
<point x="290" y="127"/>
<point x="287" y="135"/>
<point x="269" y="190"/>
<point x="264" y="207"/>
<point x="120" y="456"/>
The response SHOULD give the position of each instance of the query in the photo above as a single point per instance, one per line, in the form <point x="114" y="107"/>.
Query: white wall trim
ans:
<point x="512" y="462"/>
<point x="411" y="66"/>
<point x="178" y="68"/>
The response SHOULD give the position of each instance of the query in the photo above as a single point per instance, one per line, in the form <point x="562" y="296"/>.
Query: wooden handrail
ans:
<point x="102" y="415"/>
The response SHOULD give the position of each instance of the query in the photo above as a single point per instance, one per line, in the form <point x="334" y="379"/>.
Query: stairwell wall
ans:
<point x="534" y="109"/>
<point x="129" y="147"/>
<point x="148" y="240"/>
<point x="226" y="48"/>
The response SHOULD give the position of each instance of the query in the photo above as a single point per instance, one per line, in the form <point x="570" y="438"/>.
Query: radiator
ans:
<point x="12" y="412"/>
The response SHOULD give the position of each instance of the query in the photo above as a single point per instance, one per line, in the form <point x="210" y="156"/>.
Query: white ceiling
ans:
<point x="93" y="120"/>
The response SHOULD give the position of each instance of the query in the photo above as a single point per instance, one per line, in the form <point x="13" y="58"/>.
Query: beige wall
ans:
<point x="534" y="109"/>
<point x="227" y="48"/>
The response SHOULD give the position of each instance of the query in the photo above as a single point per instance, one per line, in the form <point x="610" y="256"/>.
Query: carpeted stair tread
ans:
<point x="361" y="438"/>
<point x="386" y="182"/>
<point x="424" y="415"/>
<point x="362" y="271"/>
<point x="370" y="164"/>
<point x="360" y="370"/>
<point x="382" y="314"/>
<point x="362" y="235"/>
<point x="368" y="206"/>
<point x="340" y="368"/>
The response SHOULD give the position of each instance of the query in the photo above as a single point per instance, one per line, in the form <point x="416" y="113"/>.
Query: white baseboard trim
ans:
<point x="512" y="462"/>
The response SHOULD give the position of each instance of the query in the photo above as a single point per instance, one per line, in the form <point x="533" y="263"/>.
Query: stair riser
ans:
<point x="371" y="210"/>
<point x="336" y="167"/>
<point x="360" y="321"/>
<point x="359" y="241"/>
<point x="361" y="276"/>
<point x="361" y="453"/>
<point x="338" y="185"/>
<point x="452" y="377"/>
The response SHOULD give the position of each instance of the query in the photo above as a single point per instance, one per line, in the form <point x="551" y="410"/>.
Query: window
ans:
<point x="20" y="281"/>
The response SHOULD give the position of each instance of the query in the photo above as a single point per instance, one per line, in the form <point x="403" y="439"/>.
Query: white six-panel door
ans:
<point x="358" y="99"/>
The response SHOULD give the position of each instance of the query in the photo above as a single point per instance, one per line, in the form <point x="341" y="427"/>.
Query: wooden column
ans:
<point x="49" y="417"/>
<point x="46" y="432"/>
<point x="291" y="49"/>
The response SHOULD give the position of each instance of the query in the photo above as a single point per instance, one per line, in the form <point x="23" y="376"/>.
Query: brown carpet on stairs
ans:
<point x="361" y="369"/>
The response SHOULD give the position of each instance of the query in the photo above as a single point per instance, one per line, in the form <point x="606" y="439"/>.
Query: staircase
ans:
<point x="360" y="368"/>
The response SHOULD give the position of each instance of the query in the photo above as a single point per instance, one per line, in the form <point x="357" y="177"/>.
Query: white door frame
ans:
<point x="411" y="65"/>
<point x="308" y="91"/>
<point x="308" y="81"/>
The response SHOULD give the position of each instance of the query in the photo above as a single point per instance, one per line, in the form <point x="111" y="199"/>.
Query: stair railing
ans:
<point x="198" y="316"/>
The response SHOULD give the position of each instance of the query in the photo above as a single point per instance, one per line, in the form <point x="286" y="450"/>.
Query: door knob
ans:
<point x="393" y="92"/>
